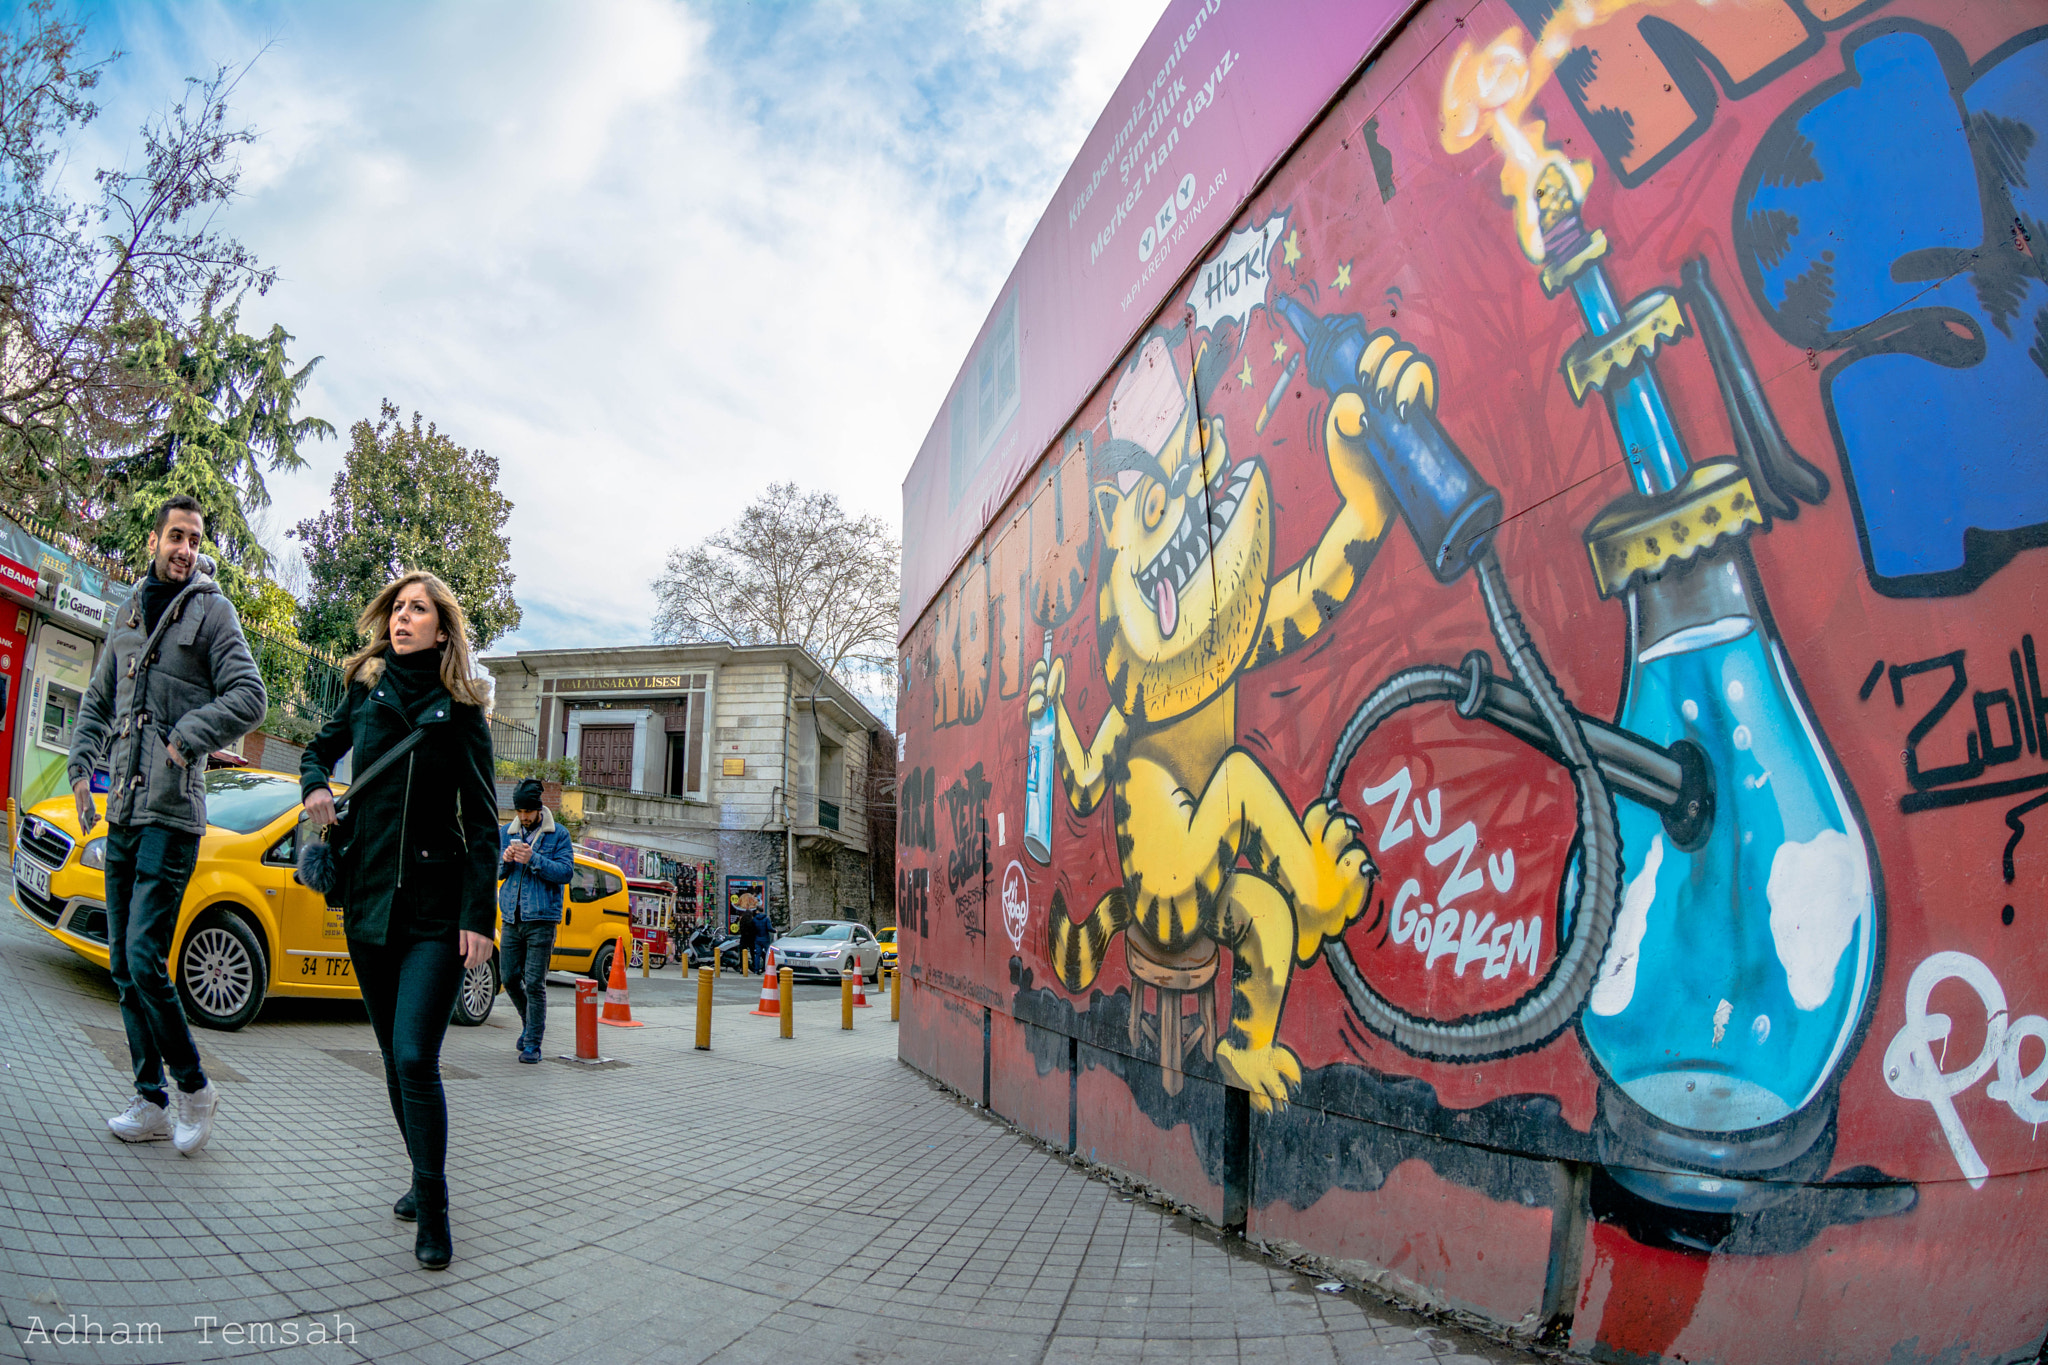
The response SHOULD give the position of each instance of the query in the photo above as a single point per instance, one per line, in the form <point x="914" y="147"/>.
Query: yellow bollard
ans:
<point x="11" y="840"/>
<point x="845" y="1000"/>
<point x="704" y="980"/>
<point x="896" y="993"/>
<point x="788" y="1003"/>
<point x="646" y="956"/>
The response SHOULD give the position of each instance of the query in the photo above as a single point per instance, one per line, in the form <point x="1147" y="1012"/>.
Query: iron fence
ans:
<point x="304" y="684"/>
<point x="512" y="742"/>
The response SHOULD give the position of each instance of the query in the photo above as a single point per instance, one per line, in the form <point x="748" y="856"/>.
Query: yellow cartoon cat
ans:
<point x="1210" y="847"/>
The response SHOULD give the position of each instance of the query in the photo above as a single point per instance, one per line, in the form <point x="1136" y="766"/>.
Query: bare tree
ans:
<point x="795" y="569"/>
<point x="83" y="284"/>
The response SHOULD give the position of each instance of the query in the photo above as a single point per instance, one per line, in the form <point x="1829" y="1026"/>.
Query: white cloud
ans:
<point x="651" y="256"/>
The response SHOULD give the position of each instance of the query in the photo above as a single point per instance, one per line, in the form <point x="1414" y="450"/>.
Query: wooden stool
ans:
<point x="1171" y="976"/>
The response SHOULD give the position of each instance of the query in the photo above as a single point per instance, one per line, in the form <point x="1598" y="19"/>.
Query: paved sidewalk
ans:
<point x="811" y="1200"/>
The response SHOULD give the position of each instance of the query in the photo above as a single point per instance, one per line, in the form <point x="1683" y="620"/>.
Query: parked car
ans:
<point x="887" y="938"/>
<point x="248" y="929"/>
<point x="821" y="947"/>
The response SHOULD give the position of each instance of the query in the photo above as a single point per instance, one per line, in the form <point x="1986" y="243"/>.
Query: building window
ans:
<point x="986" y="400"/>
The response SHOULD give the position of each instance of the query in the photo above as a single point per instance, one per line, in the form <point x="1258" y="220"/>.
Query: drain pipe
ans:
<point x="788" y="793"/>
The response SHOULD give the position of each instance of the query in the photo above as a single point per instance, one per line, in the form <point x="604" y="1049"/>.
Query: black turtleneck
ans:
<point x="413" y="676"/>
<point x="156" y="596"/>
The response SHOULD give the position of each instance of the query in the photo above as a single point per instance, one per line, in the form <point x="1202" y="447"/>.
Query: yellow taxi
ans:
<point x="248" y="929"/>
<point x="887" y="938"/>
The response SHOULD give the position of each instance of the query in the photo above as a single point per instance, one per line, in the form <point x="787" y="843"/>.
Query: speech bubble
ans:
<point x="1233" y="282"/>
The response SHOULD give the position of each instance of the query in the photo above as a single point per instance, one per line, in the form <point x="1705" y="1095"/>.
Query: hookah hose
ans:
<point x="1550" y="1008"/>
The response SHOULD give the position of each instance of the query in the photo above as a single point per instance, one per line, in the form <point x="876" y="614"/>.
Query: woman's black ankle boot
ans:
<point x="434" y="1246"/>
<point x="407" y="1208"/>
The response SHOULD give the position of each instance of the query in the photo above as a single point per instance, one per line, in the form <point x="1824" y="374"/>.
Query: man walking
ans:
<point x="746" y="929"/>
<point x="175" y="682"/>
<point x="536" y="859"/>
<point x="764" y="939"/>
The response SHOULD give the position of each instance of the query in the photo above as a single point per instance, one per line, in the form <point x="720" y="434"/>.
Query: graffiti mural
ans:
<point x="1517" y="697"/>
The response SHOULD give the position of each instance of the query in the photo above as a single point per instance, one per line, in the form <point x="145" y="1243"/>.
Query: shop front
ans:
<point x="57" y="599"/>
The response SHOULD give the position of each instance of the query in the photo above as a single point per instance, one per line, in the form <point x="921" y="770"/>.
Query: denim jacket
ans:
<point x="533" y="891"/>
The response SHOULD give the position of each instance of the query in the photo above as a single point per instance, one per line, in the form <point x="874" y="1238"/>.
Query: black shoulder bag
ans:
<point x="322" y="867"/>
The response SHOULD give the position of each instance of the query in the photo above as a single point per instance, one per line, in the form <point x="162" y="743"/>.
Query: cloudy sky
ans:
<point x="651" y="255"/>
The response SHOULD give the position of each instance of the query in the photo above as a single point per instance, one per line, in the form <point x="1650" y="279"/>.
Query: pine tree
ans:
<point x="408" y="497"/>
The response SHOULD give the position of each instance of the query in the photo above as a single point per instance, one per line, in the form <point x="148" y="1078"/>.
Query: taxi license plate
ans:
<point x="31" y="874"/>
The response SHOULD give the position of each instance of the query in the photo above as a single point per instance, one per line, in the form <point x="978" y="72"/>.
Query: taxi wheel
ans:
<point x="478" y="993"/>
<point x="222" y="974"/>
<point x="601" y="963"/>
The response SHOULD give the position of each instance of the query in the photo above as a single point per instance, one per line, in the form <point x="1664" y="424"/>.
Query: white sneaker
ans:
<point x="142" y="1121"/>
<point x="194" y="1123"/>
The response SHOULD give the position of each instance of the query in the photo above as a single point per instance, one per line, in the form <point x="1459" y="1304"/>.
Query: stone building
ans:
<point x="749" y="755"/>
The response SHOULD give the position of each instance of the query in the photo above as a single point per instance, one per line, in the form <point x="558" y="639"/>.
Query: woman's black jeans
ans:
<point x="409" y="989"/>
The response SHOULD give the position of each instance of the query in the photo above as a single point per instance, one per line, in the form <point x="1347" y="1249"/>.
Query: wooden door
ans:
<point x="606" y="756"/>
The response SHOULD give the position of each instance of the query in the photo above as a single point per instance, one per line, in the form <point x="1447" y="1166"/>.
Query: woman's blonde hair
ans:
<point x="366" y="665"/>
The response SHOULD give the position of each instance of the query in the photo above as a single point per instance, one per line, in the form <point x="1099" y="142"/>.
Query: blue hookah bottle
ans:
<point x="1742" y="959"/>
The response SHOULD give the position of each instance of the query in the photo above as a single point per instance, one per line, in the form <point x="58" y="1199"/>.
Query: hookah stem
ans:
<point x="1551" y="1007"/>
<point x="1656" y="457"/>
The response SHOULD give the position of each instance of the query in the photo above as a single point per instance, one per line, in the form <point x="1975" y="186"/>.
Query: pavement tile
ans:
<point x="677" y="1209"/>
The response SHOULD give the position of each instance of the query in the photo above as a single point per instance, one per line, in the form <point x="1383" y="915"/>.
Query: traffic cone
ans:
<point x="771" y="994"/>
<point x="860" y="986"/>
<point x="617" y="1012"/>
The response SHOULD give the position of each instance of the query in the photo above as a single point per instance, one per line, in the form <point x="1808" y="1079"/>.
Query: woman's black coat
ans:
<point x="421" y="843"/>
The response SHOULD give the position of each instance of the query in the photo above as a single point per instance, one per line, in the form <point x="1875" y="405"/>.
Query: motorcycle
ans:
<point x="701" y="945"/>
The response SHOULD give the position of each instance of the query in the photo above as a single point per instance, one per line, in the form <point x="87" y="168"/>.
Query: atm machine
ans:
<point x="60" y="670"/>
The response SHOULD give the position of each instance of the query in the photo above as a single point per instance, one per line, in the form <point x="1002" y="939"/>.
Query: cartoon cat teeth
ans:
<point x="1165" y="579"/>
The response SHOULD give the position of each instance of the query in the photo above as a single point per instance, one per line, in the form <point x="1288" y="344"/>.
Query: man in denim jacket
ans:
<point x="536" y="859"/>
<point x="175" y="682"/>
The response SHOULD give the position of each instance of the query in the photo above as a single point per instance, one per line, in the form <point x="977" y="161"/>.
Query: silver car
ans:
<point x="821" y="948"/>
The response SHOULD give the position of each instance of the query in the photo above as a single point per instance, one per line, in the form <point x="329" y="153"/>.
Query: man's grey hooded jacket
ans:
<point x="191" y="682"/>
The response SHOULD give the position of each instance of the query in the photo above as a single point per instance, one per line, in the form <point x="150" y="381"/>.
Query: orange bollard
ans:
<point x="617" y="1012"/>
<point x="845" y="1000"/>
<point x="896" y="993"/>
<point x="704" y="980"/>
<point x="788" y="1002"/>
<point x="586" y="1022"/>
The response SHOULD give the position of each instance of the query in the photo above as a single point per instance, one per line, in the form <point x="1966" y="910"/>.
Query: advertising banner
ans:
<point x="743" y="896"/>
<point x="82" y="607"/>
<point x="1218" y="93"/>
<point x="17" y="577"/>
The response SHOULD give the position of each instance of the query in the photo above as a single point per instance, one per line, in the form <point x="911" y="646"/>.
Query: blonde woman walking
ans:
<point x="418" y="854"/>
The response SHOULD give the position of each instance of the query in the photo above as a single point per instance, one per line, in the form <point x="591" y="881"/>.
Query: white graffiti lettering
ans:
<point x="1446" y="928"/>
<point x="1460" y="841"/>
<point x="1398" y="786"/>
<point x="1914" y="1073"/>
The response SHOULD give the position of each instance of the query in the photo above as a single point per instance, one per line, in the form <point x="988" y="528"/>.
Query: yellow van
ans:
<point x="248" y="929"/>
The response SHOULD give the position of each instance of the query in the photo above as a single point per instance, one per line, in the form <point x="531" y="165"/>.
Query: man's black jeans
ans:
<point x="524" y="950"/>
<point x="409" y="990"/>
<point x="147" y="869"/>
